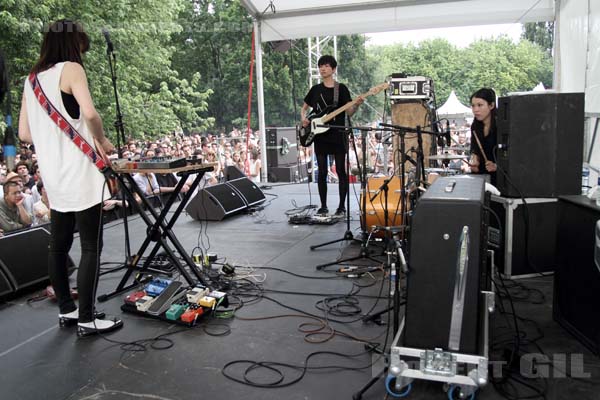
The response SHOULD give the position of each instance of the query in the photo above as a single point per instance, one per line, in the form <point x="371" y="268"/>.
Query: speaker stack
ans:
<point x="541" y="136"/>
<point x="24" y="260"/>
<point x="282" y="156"/>
<point x="217" y="202"/>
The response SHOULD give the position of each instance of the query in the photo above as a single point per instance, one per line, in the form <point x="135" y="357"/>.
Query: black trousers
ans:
<point x="340" y="168"/>
<point x="90" y="236"/>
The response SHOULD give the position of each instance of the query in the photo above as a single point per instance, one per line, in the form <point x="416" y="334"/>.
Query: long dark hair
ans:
<point x="489" y="96"/>
<point x="64" y="40"/>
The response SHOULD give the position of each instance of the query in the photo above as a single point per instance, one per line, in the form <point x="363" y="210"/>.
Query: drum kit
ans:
<point x="375" y="207"/>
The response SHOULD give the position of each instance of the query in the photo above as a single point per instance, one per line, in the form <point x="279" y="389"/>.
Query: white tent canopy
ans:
<point x="577" y="42"/>
<point x="453" y="108"/>
<point x="293" y="19"/>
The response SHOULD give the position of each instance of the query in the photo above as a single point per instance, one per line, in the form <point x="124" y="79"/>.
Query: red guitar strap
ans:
<point x="66" y="127"/>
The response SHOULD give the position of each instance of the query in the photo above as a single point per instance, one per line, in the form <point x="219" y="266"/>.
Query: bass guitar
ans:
<point x="307" y="133"/>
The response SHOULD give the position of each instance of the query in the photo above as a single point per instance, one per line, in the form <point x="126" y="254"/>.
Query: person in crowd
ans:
<point x="333" y="142"/>
<point x="483" y="133"/>
<point x="61" y="75"/>
<point x="22" y="168"/>
<point x="41" y="208"/>
<point x="255" y="167"/>
<point x="13" y="214"/>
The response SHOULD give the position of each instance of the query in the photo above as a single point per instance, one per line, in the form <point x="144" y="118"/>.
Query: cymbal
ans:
<point x="448" y="157"/>
<point x="457" y="148"/>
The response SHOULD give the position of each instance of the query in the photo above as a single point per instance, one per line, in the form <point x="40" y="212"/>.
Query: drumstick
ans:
<point x="480" y="146"/>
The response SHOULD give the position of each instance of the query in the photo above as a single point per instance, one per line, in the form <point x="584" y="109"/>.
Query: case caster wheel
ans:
<point x="390" y="382"/>
<point x="454" y="393"/>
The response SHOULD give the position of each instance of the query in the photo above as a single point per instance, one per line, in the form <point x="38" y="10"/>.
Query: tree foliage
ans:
<point x="498" y="63"/>
<point x="185" y="64"/>
<point x="153" y="98"/>
<point x="540" y="33"/>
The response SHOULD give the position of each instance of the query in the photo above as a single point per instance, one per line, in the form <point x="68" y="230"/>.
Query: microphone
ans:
<point x="382" y="187"/>
<point x="447" y="134"/>
<point x="109" y="45"/>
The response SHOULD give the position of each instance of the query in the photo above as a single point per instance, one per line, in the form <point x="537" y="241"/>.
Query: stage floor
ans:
<point x="39" y="360"/>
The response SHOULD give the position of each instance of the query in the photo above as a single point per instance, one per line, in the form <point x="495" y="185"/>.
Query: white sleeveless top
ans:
<point x="72" y="181"/>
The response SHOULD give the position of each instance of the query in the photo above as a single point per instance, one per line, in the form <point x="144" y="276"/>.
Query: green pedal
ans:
<point x="175" y="311"/>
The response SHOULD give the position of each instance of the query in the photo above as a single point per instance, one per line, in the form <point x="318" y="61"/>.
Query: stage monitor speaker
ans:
<point x="543" y="138"/>
<point x="248" y="191"/>
<point x="448" y="257"/>
<point x="232" y="172"/>
<point x="24" y="258"/>
<point x="213" y="203"/>
<point x="282" y="146"/>
<point x="5" y="286"/>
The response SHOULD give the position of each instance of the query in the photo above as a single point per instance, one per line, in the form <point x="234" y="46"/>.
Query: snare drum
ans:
<point x="374" y="214"/>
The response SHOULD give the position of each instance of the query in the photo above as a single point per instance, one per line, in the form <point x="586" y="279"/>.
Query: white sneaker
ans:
<point x="98" y="326"/>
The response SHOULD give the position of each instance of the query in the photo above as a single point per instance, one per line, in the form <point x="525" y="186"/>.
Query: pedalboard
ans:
<point x="169" y="300"/>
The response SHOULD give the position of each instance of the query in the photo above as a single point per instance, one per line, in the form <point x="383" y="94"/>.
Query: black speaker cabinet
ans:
<point x="24" y="259"/>
<point x="248" y="191"/>
<point x="282" y="146"/>
<point x="232" y="172"/>
<point x="289" y="173"/>
<point x="213" y="203"/>
<point x="448" y="252"/>
<point x="577" y="277"/>
<point x="543" y="135"/>
<point x="5" y="286"/>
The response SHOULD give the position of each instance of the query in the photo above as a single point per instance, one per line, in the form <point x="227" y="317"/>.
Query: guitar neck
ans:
<point x="343" y="108"/>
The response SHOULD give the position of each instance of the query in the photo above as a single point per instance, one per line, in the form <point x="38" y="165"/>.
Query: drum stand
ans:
<point x="364" y="252"/>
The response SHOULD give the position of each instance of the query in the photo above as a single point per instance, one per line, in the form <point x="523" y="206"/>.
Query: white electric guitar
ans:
<point x="307" y="133"/>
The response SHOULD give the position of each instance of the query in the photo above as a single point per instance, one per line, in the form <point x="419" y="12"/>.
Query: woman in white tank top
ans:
<point x="74" y="185"/>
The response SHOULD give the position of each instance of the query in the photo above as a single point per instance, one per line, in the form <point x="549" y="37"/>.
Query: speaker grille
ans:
<point x="248" y="191"/>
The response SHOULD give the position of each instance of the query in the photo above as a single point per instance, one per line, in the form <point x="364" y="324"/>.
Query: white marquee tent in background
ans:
<point x="454" y="109"/>
<point x="576" y="44"/>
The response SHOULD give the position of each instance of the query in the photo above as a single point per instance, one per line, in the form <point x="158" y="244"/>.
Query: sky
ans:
<point x="459" y="36"/>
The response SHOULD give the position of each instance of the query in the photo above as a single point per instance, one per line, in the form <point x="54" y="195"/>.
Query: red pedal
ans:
<point x="134" y="297"/>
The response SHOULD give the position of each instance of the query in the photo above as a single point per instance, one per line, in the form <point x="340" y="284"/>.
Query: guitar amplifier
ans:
<point x="282" y="147"/>
<point x="447" y="267"/>
<point x="410" y="88"/>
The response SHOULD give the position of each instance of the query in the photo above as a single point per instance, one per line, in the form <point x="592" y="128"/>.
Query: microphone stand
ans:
<point x="364" y="253"/>
<point x="119" y="127"/>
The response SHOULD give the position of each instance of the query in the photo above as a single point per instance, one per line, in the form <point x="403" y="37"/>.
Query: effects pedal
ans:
<point x="156" y="287"/>
<point x="134" y="297"/>
<point x="166" y="298"/>
<point x="208" y="302"/>
<point x="195" y="294"/>
<point x="144" y="303"/>
<point x="175" y="312"/>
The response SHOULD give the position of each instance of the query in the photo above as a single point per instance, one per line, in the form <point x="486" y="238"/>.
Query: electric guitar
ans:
<point x="307" y="133"/>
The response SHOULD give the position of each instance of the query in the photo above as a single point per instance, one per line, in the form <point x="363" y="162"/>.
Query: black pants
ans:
<point x="90" y="236"/>
<point x="340" y="168"/>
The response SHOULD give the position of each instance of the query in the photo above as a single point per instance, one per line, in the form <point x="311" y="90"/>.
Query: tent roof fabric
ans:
<point x="290" y="19"/>
<point x="453" y="108"/>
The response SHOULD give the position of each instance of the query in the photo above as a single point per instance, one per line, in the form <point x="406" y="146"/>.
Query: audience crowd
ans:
<point x="24" y="203"/>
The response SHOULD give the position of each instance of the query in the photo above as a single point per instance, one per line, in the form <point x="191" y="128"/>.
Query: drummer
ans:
<point x="483" y="133"/>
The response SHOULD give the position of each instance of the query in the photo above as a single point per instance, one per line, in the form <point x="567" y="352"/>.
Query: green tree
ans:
<point x="153" y="98"/>
<point x="540" y="33"/>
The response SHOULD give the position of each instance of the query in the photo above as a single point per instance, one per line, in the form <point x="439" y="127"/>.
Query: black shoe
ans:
<point x="340" y="213"/>
<point x="98" y="326"/>
<point x="70" y="319"/>
<point x="322" y="212"/>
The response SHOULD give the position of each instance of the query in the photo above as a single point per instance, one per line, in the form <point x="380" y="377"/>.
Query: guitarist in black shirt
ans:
<point x="322" y="100"/>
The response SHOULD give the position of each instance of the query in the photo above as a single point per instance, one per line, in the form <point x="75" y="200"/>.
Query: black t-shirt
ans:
<point x="319" y="98"/>
<point x="488" y="143"/>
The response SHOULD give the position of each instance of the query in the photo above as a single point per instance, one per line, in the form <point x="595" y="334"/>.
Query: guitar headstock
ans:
<point x="378" y="88"/>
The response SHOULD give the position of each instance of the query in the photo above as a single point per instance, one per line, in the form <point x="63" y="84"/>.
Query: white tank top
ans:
<point x="72" y="182"/>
